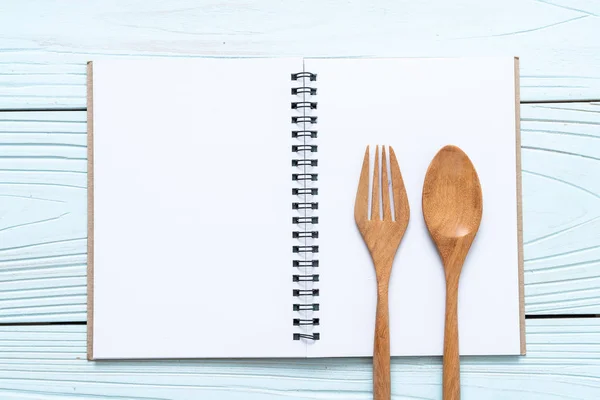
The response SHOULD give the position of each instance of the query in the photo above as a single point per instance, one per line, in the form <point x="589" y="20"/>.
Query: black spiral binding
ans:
<point x="305" y="206"/>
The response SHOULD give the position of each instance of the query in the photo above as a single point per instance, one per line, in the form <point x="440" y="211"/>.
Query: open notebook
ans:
<point x="221" y="205"/>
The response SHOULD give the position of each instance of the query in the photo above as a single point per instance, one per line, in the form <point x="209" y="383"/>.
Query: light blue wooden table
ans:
<point x="43" y="50"/>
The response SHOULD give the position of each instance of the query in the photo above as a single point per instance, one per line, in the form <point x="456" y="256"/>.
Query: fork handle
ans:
<point x="381" y="353"/>
<point x="451" y="362"/>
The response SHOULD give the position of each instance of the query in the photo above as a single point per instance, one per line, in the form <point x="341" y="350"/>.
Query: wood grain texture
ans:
<point x="49" y="362"/>
<point x="42" y="216"/>
<point x="43" y="212"/>
<point x="561" y="207"/>
<point x="382" y="235"/>
<point x="44" y="47"/>
<point x="452" y="209"/>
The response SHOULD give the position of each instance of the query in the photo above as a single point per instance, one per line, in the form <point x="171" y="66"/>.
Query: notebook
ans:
<point x="221" y="199"/>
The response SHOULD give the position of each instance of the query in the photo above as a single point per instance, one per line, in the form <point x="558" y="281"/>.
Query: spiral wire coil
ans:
<point x="305" y="205"/>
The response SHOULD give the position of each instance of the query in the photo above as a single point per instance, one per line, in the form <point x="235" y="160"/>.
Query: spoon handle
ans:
<point x="451" y="374"/>
<point x="381" y="353"/>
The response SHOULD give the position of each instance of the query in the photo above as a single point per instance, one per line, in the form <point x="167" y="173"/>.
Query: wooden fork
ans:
<point x="382" y="237"/>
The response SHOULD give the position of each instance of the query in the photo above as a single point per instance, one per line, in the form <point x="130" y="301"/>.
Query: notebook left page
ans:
<point x="191" y="209"/>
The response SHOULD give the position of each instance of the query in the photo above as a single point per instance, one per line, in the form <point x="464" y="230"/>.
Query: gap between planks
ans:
<point x="70" y="323"/>
<point x="45" y="109"/>
<point x="48" y="109"/>
<point x="561" y="316"/>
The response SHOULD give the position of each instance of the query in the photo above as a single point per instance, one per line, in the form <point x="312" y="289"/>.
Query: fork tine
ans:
<point x="401" y="207"/>
<point x="376" y="192"/>
<point x="385" y="192"/>
<point x="361" y="205"/>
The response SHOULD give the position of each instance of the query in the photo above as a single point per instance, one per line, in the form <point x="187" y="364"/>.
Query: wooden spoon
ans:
<point x="452" y="207"/>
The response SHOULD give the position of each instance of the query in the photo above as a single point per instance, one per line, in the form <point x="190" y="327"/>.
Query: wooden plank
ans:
<point x="48" y="362"/>
<point x="44" y="52"/>
<point x="43" y="212"/>
<point x="561" y="206"/>
<point x="42" y="216"/>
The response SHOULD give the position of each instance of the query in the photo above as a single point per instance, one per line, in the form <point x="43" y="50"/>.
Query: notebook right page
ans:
<point x="417" y="106"/>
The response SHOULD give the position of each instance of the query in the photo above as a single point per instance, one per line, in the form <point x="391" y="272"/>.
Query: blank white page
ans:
<point x="417" y="106"/>
<point x="192" y="215"/>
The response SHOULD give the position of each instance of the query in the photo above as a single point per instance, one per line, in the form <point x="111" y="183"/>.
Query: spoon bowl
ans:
<point x="452" y="184"/>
